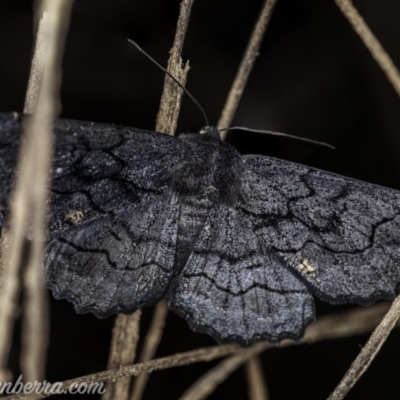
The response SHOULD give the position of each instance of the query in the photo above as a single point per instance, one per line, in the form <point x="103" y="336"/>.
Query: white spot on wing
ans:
<point x="306" y="267"/>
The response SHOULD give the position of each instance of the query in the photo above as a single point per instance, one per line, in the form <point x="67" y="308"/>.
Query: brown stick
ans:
<point x="123" y="352"/>
<point x="28" y="201"/>
<point x="368" y="352"/>
<point x="35" y="323"/>
<point x="167" y="117"/>
<point x="150" y="346"/>
<point x="371" y="42"/>
<point x="209" y="381"/>
<point x="255" y="380"/>
<point x="245" y="67"/>
<point x="42" y="99"/>
<point x="37" y="64"/>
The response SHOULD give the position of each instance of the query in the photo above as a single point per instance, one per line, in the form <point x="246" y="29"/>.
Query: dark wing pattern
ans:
<point x="113" y="221"/>
<point x="341" y="236"/>
<point x="116" y="264"/>
<point x="120" y="209"/>
<point x="236" y="289"/>
<point x="101" y="170"/>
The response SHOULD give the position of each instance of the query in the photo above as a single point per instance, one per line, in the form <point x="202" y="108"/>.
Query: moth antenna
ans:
<point x="273" y="133"/>
<point x="173" y="78"/>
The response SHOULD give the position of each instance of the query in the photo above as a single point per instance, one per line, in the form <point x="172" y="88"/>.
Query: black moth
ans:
<point x="239" y="245"/>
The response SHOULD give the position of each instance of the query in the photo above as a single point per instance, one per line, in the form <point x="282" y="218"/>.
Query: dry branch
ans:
<point x="209" y="381"/>
<point x="150" y="346"/>
<point x="380" y="334"/>
<point x="245" y="67"/>
<point x="167" y="117"/>
<point x="123" y="352"/>
<point x="369" y="351"/>
<point x="28" y="200"/>
<point x="255" y="380"/>
<point x="37" y="64"/>
<point x="35" y="332"/>
<point x="43" y="101"/>
<point x="371" y="42"/>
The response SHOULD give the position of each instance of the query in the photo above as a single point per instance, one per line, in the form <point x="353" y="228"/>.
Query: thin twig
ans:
<point x="209" y="381"/>
<point x="331" y="327"/>
<point x="43" y="101"/>
<point x="37" y="64"/>
<point x="28" y="202"/>
<point x="355" y="322"/>
<point x="371" y="42"/>
<point x="150" y="346"/>
<point x="35" y="334"/>
<point x="380" y="334"/>
<point x="167" y="117"/>
<point x="123" y="352"/>
<point x="255" y="379"/>
<point x="246" y="66"/>
<point x="176" y="360"/>
<point x="368" y="352"/>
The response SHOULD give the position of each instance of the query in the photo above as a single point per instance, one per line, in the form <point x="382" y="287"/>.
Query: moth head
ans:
<point x="210" y="131"/>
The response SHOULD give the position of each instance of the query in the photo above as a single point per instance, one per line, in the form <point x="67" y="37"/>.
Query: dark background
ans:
<point x="314" y="78"/>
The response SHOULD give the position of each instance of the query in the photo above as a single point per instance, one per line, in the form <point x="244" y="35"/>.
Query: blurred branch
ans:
<point x="150" y="346"/>
<point x="35" y="334"/>
<point x="43" y="101"/>
<point x="37" y="65"/>
<point x="368" y="352"/>
<point x="122" y="352"/>
<point x="371" y="42"/>
<point x="245" y="67"/>
<point x="255" y="380"/>
<point x="28" y="200"/>
<point x="355" y="322"/>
